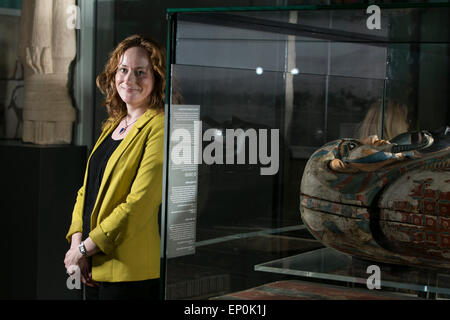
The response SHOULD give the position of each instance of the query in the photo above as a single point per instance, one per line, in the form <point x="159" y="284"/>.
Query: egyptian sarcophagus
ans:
<point x="384" y="201"/>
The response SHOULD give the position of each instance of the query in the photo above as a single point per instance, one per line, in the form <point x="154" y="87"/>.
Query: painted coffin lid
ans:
<point x="394" y="213"/>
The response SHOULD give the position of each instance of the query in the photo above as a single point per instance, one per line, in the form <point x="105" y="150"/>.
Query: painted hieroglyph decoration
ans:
<point x="47" y="47"/>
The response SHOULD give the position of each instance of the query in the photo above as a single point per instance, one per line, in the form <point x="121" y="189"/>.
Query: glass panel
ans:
<point x="310" y="76"/>
<point x="223" y="46"/>
<point x="223" y="93"/>
<point x="327" y="263"/>
<point x="417" y="74"/>
<point x="309" y="108"/>
<point x="349" y="100"/>
<point x="358" y="60"/>
<point x="311" y="56"/>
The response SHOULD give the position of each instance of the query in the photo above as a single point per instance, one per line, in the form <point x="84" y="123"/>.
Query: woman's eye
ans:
<point x="140" y="73"/>
<point x="123" y="70"/>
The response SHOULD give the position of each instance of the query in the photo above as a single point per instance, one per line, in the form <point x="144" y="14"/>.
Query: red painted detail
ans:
<point x="405" y="216"/>
<point x="444" y="224"/>
<point x="431" y="239"/>
<point x="444" y="209"/>
<point x="417" y="219"/>
<point x="430" y="193"/>
<point x="431" y="223"/>
<point x="336" y="208"/>
<point x="418" y="237"/>
<point x="365" y="182"/>
<point x="361" y="197"/>
<point x="429" y="206"/>
<point x="445" y="241"/>
<point x="401" y="205"/>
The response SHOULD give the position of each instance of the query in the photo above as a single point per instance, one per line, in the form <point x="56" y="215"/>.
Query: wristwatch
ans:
<point x="82" y="249"/>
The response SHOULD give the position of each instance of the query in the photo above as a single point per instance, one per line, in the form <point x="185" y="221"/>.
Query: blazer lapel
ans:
<point x="149" y="114"/>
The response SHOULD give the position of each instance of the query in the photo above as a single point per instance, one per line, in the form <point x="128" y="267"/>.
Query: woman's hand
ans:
<point x="76" y="240"/>
<point x="75" y="258"/>
<point x="73" y="255"/>
<point x="72" y="258"/>
<point x="86" y="274"/>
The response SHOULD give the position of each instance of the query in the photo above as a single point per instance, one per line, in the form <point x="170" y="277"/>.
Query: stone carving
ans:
<point x="46" y="49"/>
<point x="11" y="77"/>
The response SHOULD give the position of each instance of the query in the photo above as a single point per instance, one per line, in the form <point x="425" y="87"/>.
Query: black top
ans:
<point x="97" y="165"/>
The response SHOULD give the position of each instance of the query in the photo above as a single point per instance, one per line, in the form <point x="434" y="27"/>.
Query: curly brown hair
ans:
<point x="115" y="106"/>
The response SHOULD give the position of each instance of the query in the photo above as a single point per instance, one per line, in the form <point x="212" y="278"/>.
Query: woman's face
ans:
<point x="134" y="77"/>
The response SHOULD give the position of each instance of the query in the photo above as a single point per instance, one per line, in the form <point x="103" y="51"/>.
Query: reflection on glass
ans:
<point x="394" y="123"/>
<point x="349" y="99"/>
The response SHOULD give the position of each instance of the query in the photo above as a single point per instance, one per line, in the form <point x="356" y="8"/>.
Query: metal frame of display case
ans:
<point x="226" y="16"/>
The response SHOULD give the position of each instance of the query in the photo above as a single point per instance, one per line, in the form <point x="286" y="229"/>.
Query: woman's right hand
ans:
<point x="83" y="263"/>
<point x="76" y="239"/>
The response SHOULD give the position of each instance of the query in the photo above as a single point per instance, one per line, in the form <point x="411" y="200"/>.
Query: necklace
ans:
<point x="122" y="130"/>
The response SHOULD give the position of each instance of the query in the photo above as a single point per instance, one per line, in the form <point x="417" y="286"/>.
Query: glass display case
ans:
<point x="254" y="92"/>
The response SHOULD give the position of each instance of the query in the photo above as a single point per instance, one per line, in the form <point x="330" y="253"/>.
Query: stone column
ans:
<point x="47" y="46"/>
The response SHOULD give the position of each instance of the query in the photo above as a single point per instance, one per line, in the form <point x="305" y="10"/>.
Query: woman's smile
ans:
<point x="131" y="89"/>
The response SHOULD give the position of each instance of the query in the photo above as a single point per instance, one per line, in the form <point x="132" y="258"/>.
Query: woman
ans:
<point x="114" y="231"/>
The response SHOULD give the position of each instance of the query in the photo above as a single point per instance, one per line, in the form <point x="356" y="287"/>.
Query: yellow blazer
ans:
<point x="124" y="221"/>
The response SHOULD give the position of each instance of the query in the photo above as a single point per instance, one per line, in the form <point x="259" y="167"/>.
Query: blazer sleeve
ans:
<point x="77" y="215"/>
<point x="144" y="198"/>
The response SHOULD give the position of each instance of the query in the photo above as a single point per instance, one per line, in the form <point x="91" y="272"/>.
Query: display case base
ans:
<point x="327" y="264"/>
